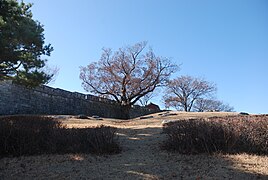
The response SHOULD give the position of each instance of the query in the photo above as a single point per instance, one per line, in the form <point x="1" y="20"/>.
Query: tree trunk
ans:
<point x="185" y="107"/>
<point x="125" y="111"/>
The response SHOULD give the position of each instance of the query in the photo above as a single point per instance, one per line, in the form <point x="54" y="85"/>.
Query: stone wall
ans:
<point x="15" y="99"/>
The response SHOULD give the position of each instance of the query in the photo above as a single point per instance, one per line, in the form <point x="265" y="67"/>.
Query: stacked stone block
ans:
<point x="16" y="99"/>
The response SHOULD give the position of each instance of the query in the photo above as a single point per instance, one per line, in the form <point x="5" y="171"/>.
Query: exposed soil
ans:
<point x="141" y="157"/>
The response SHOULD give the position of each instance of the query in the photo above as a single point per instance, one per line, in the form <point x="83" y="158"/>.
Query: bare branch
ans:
<point x="127" y="74"/>
<point x="183" y="92"/>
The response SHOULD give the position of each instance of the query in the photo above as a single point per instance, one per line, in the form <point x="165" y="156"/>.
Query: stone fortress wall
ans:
<point x="16" y="99"/>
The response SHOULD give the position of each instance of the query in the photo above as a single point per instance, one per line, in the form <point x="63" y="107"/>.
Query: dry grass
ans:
<point x="235" y="134"/>
<point x="141" y="157"/>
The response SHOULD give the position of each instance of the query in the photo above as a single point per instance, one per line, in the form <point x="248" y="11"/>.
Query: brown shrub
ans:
<point x="99" y="140"/>
<point x="228" y="135"/>
<point x="29" y="135"/>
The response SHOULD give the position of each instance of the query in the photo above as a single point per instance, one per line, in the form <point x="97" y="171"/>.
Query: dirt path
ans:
<point x="141" y="158"/>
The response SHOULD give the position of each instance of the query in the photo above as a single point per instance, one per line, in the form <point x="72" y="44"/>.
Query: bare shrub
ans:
<point x="26" y="135"/>
<point x="30" y="135"/>
<point x="226" y="135"/>
<point x="99" y="140"/>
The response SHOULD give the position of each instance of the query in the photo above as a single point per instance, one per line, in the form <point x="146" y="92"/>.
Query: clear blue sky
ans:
<point x="224" y="41"/>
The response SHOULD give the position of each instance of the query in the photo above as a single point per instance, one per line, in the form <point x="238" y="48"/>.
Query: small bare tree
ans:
<point x="183" y="92"/>
<point x="202" y="105"/>
<point x="126" y="75"/>
<point x="144" y="101"/>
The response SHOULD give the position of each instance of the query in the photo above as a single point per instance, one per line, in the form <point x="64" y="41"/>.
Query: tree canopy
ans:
<point x="22" y="45"/>
<point x="126" y="75"/>
<point x="202" y="105"/>
<point x="184" y="91"/>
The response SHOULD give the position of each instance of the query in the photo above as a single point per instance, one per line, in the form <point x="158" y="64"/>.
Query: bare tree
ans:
<point x="126" y="75"/>
<point x="202" y="105"/>
<point x="53" y="71"/>
<point x="144" y="101"/>
<point x="225" y="107"/>
<point x="183" y="91"/>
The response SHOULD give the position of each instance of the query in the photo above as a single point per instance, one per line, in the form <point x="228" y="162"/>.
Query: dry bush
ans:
<point x="99" y="140"/>
<point x="29" y="135"/>
<point x="227" y="135"/>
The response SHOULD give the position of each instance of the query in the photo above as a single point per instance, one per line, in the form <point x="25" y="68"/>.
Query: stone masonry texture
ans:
<point x="17" y="99"/>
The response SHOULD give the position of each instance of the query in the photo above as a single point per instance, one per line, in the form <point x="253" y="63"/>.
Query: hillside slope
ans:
<point x="141" y="158"/>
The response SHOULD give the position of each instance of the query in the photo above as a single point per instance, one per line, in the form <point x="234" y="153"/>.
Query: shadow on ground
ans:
<point x="141" y="158"/>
